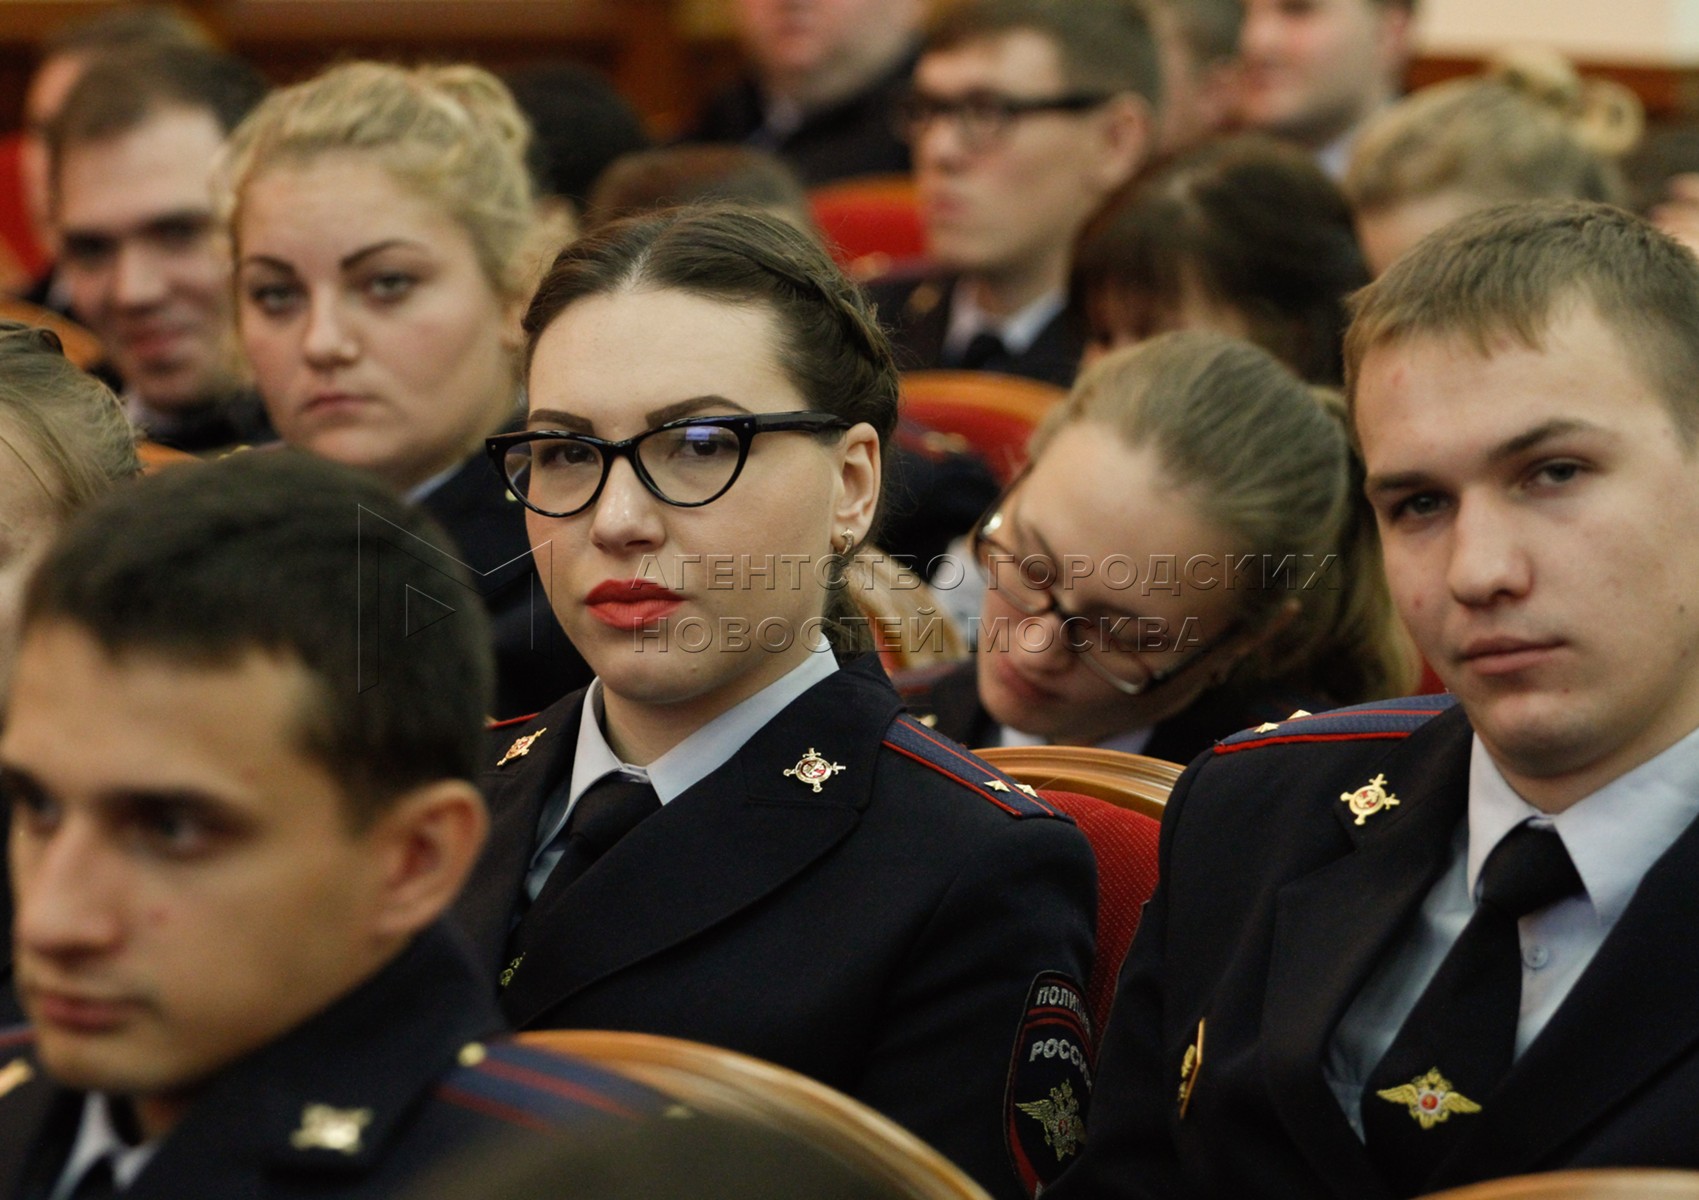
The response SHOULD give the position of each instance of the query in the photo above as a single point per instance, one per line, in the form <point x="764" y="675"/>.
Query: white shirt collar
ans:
<point x="98" y="1138"/>
<point x="1613" y="835"/>
<point x="705" y="750"/>
<point x="1018" y="331"/>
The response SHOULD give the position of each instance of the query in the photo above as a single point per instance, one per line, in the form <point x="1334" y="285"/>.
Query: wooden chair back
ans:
<point x="1127" y="780"/>
<point x="1604" y="1183"/>
<point x="737" y="1087"/>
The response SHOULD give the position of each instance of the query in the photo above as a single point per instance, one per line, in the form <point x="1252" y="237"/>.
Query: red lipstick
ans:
<point x="631" y="603"/>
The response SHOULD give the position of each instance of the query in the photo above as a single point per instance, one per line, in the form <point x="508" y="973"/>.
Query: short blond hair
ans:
<point x="1527" y="128"/>
<point x="453" y="134"/>
<point x="1507" y="272"/>
<point x="64" y="425"/>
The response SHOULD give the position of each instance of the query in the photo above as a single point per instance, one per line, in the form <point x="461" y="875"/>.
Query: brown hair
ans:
<point x="1266" y="459"/>
<point x="76" y="440"/>
<point x="1256" y="225"/>
<point x="124" y="89"/>
<point x="1503" y="273"/>
<point x="1104" y="45"/>
<point x="830" y="344"/>
<point x="1527" y="128"/>
<point x="641" y="182"/>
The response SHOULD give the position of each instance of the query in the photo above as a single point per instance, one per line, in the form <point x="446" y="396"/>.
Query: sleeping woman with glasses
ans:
<point x="1187" y="554"/>
<point x="733" y="835"/>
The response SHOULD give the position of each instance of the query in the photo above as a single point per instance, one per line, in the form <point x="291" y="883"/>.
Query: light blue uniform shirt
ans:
<point x="1613" y="836"/>
<point x="676" y="771"/>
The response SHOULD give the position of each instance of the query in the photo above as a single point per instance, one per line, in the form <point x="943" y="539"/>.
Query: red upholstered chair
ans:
<point x="1124" y="842"/>
<point x="1117" y="800"/>
<point x="994" y="414"/>
<point x="871" y="225"/>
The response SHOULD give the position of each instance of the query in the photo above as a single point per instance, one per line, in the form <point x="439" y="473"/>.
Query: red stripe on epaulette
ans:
<point x="23" y="1035"/>
<point x="978" y="765"/>
<point x="495" y="724"/>
<point x="927" y="762"/>
<point x="496" y="1109"/>
<point x="559" y="1087"/>
<point x="1383" y="735"/>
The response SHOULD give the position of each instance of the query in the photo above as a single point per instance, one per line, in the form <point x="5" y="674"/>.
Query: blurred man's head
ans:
<point x="1198" y="41"/>
<point x="131" y="159"/>
<point x="1026" y="114"/>
<point x="235" y="757"/>
<point x="814" y="52"/>
<point x="1315" y="69"/>
<point x="64" y="58"/>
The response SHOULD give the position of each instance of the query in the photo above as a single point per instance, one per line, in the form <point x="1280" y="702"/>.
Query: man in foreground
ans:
<point x="1416" y="944"/>
<point x="235" y="760"/>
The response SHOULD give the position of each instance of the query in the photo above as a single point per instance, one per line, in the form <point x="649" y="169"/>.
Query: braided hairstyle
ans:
<point x="830" y="345"/>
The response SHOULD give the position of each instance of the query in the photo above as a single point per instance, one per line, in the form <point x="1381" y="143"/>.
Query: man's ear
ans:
<point x="859" y="475"/>
<point x="1128" y="126"/>
<point x="427" y="843"/>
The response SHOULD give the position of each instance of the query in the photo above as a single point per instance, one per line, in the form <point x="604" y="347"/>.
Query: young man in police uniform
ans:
<point x="1425" y="942"/>
<point x="235" y="757"/>
<point x="1025" y="115"/>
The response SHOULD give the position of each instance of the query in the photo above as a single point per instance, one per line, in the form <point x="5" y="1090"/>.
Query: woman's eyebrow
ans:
<point x="553" y="418"/>
<point x="690" y="407"/>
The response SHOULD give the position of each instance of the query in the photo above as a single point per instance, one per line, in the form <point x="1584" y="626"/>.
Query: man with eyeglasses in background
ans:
<point x="1025" y="116"/>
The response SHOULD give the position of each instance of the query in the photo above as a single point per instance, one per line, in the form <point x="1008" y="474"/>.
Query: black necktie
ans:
<point x="984" y="350"/>
<point x="1460" y="1039"/>
<point x="609" y="809"/>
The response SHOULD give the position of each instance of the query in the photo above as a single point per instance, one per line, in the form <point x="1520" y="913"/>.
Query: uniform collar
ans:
<point x="1018" y="331"/>
<point x="1613" y="835"/>
<point x="705" y="750"/>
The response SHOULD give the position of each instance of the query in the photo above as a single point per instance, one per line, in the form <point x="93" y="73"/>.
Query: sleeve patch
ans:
<point x="1049" y="1087"/>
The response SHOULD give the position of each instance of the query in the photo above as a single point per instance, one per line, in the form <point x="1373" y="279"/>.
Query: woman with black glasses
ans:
<point x="734" y="835"/>
<point x="1187" y="554"/>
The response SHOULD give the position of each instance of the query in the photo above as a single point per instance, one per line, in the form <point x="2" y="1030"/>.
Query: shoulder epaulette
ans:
<point x="1386" y="719"/>
<point x="503" y="724"/>
<point x="541" y="1089"/>
<point x="16" y="1036"/>
<point x="911" y="739"/>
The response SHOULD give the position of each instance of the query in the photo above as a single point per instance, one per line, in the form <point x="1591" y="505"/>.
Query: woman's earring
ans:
<point x="849" y="543"/>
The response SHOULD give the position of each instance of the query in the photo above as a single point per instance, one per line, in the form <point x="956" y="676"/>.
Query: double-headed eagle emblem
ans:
<point x="1060" y="1116"/>
<point x="1431" y="1099"/>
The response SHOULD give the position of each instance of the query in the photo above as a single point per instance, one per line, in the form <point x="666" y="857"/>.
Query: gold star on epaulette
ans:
<point x="1267" y="727"/>
<point x="1028" y="789"/>
<point x="996" y="785"/>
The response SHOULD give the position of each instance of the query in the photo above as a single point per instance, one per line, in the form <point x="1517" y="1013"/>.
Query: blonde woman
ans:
<point x="386" y="239"/>
<point x="1528" y="128"/>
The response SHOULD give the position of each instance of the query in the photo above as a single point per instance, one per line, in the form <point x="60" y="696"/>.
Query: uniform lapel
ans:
<point x="38" y="1120"/>
<point x="725" y="844"/>
<point x="1628" y="1017"/>
<point x="1333" y="925"/>
<point x="515" y="793"/>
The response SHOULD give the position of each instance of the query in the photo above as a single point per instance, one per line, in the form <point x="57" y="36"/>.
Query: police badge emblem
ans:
<point x="521" y="747"/>
<point x="813" y="770"/>
<point x="1431" y="1099"/>
<point x="1369" y="799"/>
<point x="1060" y="1116"/>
